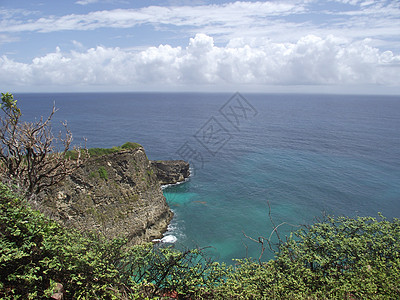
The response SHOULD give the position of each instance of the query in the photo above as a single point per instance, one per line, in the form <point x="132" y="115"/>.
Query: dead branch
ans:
<point x="28" y="155"/>
<point x="261" y="240"/>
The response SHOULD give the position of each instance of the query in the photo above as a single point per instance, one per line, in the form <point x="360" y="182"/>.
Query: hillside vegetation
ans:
<point x="339" y="258"/>
<point x="95" y="152"/>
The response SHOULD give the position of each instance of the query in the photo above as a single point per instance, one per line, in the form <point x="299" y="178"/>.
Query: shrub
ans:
<point x="95" y="152"/>
<point x="130" y="145"/>
<point x="339" y="258"/>
<point x="36" y="252"/>
<point x="188" y="274"/>
<point x="103" y="173"/>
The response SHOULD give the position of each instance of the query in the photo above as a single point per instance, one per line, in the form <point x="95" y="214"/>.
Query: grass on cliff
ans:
<point x="95" y="152"/>
<point x="338" y="258"/>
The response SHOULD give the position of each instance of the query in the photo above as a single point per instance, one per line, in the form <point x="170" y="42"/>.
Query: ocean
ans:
<point x="256" y="159"/>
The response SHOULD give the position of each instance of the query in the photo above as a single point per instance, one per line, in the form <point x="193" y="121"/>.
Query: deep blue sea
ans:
<point x="305" y="155"/>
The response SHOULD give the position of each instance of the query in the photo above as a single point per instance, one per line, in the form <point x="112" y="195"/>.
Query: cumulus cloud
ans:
<point x="311" y="60"/>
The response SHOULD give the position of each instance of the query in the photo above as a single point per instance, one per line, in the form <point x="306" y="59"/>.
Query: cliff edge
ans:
<point x="117" y="194"/>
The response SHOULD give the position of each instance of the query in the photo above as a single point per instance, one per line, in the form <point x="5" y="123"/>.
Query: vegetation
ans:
<point x="338" y="258"/>
<point x="28" y="155"/>
<point x="95" y="152"/>
<point x="103" y="173"/>
<point x="36" y="253"/>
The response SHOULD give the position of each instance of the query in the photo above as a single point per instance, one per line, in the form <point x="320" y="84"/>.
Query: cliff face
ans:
<point x="115" y="194"/>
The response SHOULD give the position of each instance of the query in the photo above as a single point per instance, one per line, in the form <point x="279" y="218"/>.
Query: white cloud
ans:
<point x="6" y="38"/>
<point x="230" y="14"/>
<point x="311" y="60"/>
<point x="286" y="20"/>
<point x="86" y="2"/>
<point x="77" y="44"/>
<point x="351" y="2"/>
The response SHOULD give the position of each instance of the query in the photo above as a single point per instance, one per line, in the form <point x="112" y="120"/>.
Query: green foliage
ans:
<point x="103" y="173"/>
<point x="95" y="152"/>
<point x="93" y="174"/>
<point x="9" y="106"/>
<point x="188" y="274"/>
<point x="130" y="145"/>
<point x="36" y="252"/>
<point x="338" y="258"/>
<point x="344" y="256"/>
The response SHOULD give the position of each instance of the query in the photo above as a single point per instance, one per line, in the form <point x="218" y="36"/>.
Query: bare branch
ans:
<point x="28" y="154"/>
<point x="261" y="242"/>
<point x="262" y="239"/>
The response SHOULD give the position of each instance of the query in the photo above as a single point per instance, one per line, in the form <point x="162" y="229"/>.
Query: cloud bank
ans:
<point x="239" y="64"/>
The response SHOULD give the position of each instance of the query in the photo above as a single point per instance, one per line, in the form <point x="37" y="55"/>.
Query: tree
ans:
<point x="28" y="155"/>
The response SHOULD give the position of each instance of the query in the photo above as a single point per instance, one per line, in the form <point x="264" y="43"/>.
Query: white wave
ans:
<point x="191" y="171"/>
<point x="170" y="239"/>
<point x="164" y="186"/>
<point x="172" y="227"/>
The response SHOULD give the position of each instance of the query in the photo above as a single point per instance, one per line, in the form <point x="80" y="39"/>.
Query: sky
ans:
<point x="332" y="46"/>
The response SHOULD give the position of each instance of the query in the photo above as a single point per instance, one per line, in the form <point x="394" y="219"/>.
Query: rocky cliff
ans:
<point x="117" y="194"/>
<point x="171" y="171"/>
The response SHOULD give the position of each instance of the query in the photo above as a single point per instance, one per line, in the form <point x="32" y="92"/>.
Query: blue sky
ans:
<point x="338" y="46"/>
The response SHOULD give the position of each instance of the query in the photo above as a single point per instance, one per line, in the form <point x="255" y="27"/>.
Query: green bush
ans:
<point x="130" y="145"/>
<point x="338" y="258"/>
<point x="95" y="152"/>
<point x="189" y="274"/>
<point x="103" y="173"/>
<point x="36" y="252"/>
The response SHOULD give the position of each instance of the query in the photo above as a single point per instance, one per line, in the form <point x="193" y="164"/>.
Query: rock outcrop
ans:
<point x="115" y="194"/>
<point x="171" y="171"/>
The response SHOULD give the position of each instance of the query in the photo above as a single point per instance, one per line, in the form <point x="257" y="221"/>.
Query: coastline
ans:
<point x="165" y="186"/>
<point x="169" y="236"/>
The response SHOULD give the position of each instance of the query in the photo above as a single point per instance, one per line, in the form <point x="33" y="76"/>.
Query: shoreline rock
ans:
<point x="171" y="171"/>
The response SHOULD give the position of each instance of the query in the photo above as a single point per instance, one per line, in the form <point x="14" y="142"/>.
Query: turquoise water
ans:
<point x="305" y="155"/>
<point x="299" y="186"/>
